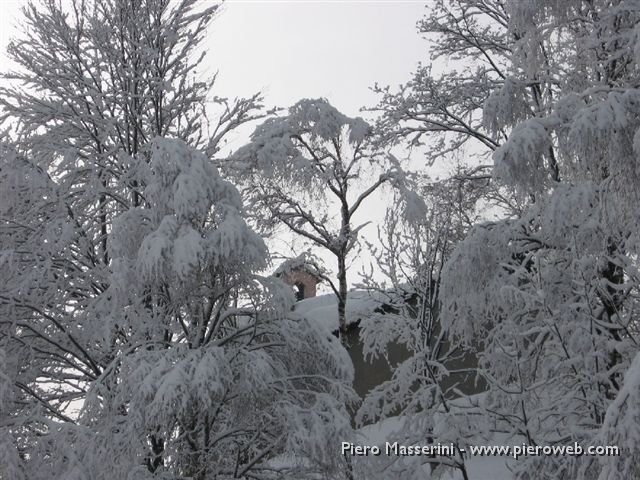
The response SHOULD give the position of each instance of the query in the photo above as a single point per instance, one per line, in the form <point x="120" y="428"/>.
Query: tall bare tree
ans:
<point x="312" y="171"/>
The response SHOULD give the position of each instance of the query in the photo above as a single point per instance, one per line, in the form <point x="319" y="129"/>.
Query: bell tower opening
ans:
<point x="301" y="275"/>
<point x="298" y="288"/>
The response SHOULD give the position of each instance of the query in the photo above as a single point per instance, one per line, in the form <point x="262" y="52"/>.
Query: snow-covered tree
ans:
<point x="547" y="296"/>
<point x="311" y="171"/>
<point x="552" y="292"/>
<point x="414" y="243"/>
<point x="136" y="340"/>
<point x="217" y="375"/>
<point x="185" y="364"/>
<point x="440" y="107"/>
<point x="440" y="111"/>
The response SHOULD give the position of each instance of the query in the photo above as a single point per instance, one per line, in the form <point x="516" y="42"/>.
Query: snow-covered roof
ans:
<point x="300" y="263"/>
<point x="323" y="309"/>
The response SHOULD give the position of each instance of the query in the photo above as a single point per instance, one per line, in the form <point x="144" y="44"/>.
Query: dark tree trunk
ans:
<point x="342" y="290"/>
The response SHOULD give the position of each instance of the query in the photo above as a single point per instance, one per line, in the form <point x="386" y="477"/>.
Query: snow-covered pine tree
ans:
<point x="136" y="339"/>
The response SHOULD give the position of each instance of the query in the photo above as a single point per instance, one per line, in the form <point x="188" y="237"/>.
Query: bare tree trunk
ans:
<point x="612" y="302"/>
<point x="342" y="290"/>
<point x="343" y="250"/>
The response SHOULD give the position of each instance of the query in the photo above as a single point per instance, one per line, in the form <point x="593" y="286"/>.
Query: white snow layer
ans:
<point x="323" y="309"/>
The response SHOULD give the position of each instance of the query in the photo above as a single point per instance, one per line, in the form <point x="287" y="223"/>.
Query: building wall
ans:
<point x="307" y="280"/>
<point x="370" y="372"/>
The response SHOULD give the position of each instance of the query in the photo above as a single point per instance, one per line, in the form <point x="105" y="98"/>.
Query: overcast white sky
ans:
<point x="300" y="49"/>
<point x="337" y="50"/>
